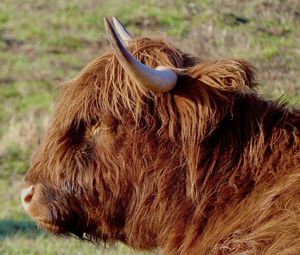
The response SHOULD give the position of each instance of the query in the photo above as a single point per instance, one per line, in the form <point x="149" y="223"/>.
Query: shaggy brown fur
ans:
<point x="210" y="167"/>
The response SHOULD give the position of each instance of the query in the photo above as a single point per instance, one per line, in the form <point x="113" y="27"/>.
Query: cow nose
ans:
<point x="26" y="196"/>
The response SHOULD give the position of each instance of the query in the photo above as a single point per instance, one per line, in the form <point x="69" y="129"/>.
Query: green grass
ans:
<point x="45" y="42"/>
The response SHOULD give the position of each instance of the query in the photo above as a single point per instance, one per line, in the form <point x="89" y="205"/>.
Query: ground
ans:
<point x="45" y="42"/>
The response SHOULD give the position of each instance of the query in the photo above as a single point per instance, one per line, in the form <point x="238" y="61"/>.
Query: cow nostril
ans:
<point x="26" y="196"/>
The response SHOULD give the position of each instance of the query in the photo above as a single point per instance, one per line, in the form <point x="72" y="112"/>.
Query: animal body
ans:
<point x="156" y="148"/>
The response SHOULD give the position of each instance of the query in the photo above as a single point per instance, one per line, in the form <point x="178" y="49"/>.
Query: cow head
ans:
<point x="119" y="131"/>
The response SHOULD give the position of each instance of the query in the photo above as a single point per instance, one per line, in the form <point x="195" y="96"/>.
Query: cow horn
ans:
<point x="161" y="79"/>
<point x="126" y="37"/>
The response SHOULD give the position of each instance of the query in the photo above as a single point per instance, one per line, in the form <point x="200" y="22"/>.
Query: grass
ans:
<point x="45" y="42"/>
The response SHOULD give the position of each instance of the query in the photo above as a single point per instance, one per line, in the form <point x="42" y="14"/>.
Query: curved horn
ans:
<point x="122" y="31"/>
<point x="161" y="79"/>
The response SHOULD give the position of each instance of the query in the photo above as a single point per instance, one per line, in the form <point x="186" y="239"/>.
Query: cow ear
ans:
<point x="225" y="75"/>
<point x="248" y="72"/>
<point x="236" y="75"/>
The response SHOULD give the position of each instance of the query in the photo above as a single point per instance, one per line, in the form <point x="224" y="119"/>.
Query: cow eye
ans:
<point x="74" y="136"/>
<point x="94" y="122"/>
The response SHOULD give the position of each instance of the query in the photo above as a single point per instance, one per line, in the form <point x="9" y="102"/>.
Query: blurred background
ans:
<point x="45" y="42"/>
